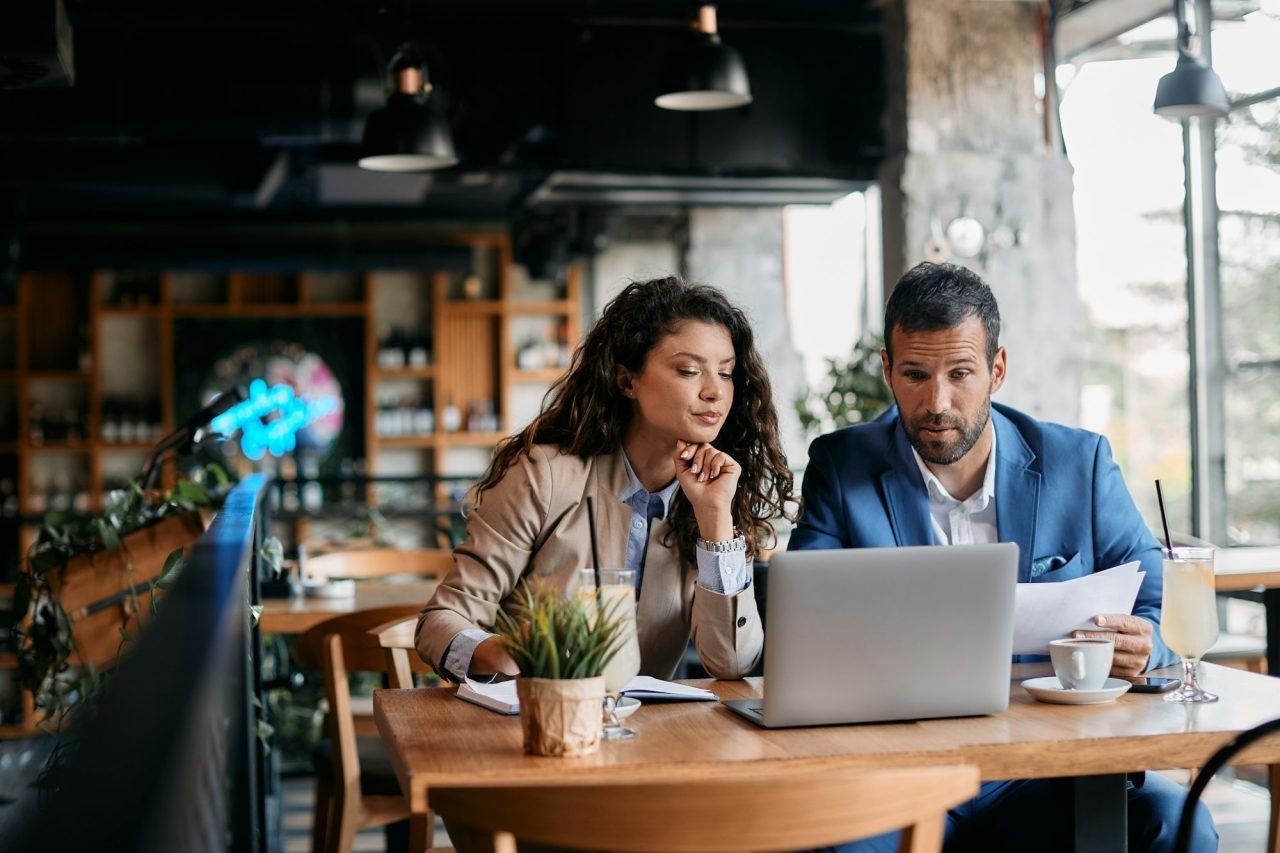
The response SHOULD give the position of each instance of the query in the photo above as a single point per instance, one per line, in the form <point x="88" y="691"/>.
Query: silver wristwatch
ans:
<point x="725" y="546"/>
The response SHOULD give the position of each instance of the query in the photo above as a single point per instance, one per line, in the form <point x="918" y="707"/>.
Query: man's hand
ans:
<point x="1132" y="636"/>
<point x="491" y="658"/>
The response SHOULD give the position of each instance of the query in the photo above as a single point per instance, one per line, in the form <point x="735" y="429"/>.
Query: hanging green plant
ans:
<point x="82" y="595"/>
<point x="853" y="391"/>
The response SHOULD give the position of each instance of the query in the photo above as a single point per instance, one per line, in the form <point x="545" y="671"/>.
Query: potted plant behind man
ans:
<point x="561" y="646"/>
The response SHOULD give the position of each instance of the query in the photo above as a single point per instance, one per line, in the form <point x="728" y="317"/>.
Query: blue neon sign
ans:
<point x="279" y="435"/>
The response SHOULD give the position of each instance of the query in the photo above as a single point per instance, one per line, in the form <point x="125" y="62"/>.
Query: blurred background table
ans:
<point x="296" y="614"/>
<point x="1245" y="569"/>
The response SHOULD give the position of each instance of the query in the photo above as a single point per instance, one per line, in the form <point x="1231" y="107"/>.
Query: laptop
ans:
<point x="879" y="634"/>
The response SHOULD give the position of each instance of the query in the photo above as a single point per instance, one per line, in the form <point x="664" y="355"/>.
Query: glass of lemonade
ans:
<point x="1189" y="617"/>
<point x="618" y="593"/>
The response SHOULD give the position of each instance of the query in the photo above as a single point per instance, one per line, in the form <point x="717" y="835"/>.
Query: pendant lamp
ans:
<point x="411" y="133"/>
<point x="1192" y="89"/>
<point x="705" y="73"/>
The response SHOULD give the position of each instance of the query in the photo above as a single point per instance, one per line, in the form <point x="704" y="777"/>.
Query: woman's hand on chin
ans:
<point x="709" y="479"/>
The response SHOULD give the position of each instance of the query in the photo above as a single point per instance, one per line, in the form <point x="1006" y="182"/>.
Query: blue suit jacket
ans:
<point x="1059" y="496"/>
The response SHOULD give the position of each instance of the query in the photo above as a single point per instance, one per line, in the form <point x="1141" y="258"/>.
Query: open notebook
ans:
<point x="501" y="696"/>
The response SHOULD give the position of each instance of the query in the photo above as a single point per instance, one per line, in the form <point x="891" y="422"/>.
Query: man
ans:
<point x="946" y="467"/>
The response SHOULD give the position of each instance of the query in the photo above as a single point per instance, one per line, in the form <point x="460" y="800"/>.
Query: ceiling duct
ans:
<point x="35" y="46"/>
<point x="591" y="188"/>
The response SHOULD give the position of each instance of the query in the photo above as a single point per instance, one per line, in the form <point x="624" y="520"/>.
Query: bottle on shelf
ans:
<point x="60" y="493"/>
<point x="419" y="355"/>
<point x="390" y="353"/>
<point x="424" y="421"/>
<point x="38" y="497"/>
<point x="529" y="355"/>
<point x="80" y="497"/>
<point x="109" y="429"/>
<point x="563" y="347"/>
<point x="472" y="287"/>
<point x="8" y="498"/>
<point x="290" y="499"/>
<point x="72" y="426"/>
<point x="85" y="359"/>
<point x="35" y="424"/>
<point x="312" y="491"/>
<point x="450" y="417"/>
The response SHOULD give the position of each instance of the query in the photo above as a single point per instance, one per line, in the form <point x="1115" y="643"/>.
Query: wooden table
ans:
<point x="1241" y="569"/>
<point x="296" y="614"/>
<point x="436" y="739"/>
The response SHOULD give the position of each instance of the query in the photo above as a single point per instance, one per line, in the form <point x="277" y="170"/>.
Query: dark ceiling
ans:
<point x="251" y="111"/>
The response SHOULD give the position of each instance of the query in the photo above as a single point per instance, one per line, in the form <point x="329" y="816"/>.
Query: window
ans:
<point x="1248" y="181"/>
<point x="1132" y="263"/>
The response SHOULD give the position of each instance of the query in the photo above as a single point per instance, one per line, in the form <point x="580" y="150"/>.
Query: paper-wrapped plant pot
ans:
<point x="561" y="717"/>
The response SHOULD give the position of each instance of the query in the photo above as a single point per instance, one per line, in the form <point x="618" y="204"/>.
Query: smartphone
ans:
<point x="1152" y="684"/>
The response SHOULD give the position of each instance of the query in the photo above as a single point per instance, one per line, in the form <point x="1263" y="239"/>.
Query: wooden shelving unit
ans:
<point x="63" y="321"/>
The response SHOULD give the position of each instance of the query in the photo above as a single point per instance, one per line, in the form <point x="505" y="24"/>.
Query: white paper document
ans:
<point x="501" y="696"/>
<point x="1050" y="611"/>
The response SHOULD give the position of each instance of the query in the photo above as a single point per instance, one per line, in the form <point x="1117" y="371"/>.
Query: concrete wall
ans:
<point x="738" y="250"/>
<point x="966" y="139"/>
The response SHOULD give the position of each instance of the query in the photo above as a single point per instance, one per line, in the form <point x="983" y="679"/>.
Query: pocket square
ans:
<point x="1044" y="565"/>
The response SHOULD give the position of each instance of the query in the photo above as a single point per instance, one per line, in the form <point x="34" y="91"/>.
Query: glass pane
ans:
<point x="1132" y="265"/>
<point x="1249" y="245"/>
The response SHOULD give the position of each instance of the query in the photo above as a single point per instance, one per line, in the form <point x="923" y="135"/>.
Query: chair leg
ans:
<point x="422" y="832"/>
<point x="924" y="836"/>
<point x="322" y="816"/>
<point x="342" y="829"/>
<point x="1273" y="834"/>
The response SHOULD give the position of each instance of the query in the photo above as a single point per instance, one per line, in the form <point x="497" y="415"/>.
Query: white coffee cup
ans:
<point x="1081" y="663"/>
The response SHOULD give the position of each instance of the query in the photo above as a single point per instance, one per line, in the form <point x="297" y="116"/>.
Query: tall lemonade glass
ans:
<point x="617" y="590"/>
<point x="1189" y="617"/>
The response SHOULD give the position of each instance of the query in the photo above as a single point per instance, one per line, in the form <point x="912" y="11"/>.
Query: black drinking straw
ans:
<point x="1168" y="541"/>
<point x="595" y="552"/>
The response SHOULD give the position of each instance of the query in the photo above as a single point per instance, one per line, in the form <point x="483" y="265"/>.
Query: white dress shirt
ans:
<point x="971" y="521"/>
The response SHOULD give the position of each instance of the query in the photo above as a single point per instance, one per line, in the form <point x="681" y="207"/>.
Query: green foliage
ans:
<point x="44" y="644"/>
<point x="553" y="636"/>
<point x="854" y="391"/>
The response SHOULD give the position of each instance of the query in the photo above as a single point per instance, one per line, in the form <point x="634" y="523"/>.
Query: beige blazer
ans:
<point x="535" y="522"/>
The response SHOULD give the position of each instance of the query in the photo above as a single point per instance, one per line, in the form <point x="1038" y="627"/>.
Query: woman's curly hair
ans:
<point x="586" y="414"/>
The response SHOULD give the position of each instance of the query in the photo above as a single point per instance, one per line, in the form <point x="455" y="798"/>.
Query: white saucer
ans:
<point x="1049" y="689"/>
<point x="626" y="706"/>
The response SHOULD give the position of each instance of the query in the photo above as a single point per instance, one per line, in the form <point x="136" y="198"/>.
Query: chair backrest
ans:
<point x="379" y="563"/>
<point x="779" y="807"/>
<point x="1182" y="840"/>
<point x="338" y="647"/>
<point x="395" y="638"/>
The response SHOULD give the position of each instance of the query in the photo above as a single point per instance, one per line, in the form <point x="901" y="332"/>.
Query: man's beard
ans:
<point x="942" y="453"/>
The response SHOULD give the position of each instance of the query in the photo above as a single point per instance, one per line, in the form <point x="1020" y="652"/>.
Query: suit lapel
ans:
<point x="905" y="496"/>
<point x="613" y="517"/>
<point x="662" y="588"/>
<point x="1017" y="492"/>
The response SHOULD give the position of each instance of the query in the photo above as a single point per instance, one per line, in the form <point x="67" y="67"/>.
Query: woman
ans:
<point x="666" y="417"/>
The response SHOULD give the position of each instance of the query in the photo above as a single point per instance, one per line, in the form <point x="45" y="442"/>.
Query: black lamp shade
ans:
<point x="1191" y="89"/>
<point x="407" y="135"/>
<point x="705" y="74"/>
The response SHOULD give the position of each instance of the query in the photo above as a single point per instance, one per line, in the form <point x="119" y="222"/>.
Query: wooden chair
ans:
<point x="378" y="563"/>
<point x="762" y="808"/>
<point x="395" y="638"/>
<point x="359" y="789"/>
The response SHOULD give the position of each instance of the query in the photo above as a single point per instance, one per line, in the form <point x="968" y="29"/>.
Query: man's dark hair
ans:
<point x="941" y="296"/>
